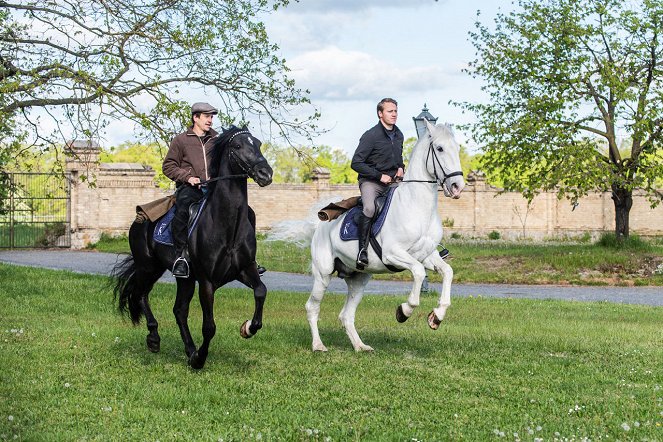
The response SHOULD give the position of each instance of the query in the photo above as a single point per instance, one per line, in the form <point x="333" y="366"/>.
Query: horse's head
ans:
<point x="244" y="155"/>
<point x="443" y="161"/>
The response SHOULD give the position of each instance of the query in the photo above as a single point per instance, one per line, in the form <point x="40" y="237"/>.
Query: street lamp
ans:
<point x="420" y="124"/>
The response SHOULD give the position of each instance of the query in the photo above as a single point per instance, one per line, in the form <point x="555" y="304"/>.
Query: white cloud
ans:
<point x="333" y="74"/>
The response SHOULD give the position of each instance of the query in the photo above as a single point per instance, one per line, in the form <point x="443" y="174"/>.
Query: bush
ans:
<point x="456" y="235"/>
<point x="633" y="242"/>
<point x="494" y="235"/>
<point x="448" y="222"/>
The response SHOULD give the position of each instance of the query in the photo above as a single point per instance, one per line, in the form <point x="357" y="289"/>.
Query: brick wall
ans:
<point x="109" y="205"/>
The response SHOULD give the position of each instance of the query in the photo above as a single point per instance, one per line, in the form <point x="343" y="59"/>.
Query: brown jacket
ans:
<point x="188" y="156"/>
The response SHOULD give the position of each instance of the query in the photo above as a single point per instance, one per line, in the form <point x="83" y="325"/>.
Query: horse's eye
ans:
<point x="440" y="148"/>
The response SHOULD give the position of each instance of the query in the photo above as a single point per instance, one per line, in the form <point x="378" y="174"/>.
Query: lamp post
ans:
<point x="420" y="124"/>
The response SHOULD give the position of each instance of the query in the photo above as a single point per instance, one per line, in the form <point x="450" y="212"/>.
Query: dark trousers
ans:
<point x="184" y="197"/>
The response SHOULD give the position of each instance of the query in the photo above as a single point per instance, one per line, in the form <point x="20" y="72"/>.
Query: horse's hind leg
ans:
<point x="185" y="289"/>
<point x="320" y="283"/>
<point x="206" y="294"/>
<point x="356" y="284"/>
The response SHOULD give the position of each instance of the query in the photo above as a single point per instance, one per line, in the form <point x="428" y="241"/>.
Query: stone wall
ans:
<point x="109" y="205"/>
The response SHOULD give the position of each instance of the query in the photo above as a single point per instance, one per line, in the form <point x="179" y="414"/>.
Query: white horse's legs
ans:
<point x="447" y="273"/>
<point x="320" y="283"/>
<point x="356" y="286"/>
<point x="418" y="270"/>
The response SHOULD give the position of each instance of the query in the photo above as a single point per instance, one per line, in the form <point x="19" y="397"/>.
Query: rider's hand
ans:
<point x="385" y="179"/>
<point x="194" y="181"/>
<point x="399" y="174"/>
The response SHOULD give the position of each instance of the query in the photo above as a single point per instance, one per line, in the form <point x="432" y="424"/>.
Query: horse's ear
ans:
<point x="245" y="127"/>
<point x="430" y="126"/>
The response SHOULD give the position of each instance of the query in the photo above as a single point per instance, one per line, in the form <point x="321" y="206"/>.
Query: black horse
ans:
<point x="222" y="248"/>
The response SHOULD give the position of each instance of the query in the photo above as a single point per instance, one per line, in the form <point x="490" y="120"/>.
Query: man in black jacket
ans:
<point x="379" y="162"/>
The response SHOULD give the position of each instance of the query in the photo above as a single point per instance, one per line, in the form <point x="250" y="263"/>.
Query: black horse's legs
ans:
<point x="153" y="339"/>
<point x="206" y="295"/>
<point x="185" y="289"/>
<point x="251" y="278"/>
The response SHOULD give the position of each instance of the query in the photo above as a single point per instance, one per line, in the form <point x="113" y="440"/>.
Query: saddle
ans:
<point x="350" y="229"/>
<point x="162" y="232"/>
<point x="349" y="226"/>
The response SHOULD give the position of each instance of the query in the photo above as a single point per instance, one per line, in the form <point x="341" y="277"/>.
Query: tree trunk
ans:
<point x="623" y="199"/>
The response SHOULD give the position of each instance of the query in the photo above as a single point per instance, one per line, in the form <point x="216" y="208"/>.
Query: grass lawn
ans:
<point x="639" y="262"/>
<point x="498" y="369"/>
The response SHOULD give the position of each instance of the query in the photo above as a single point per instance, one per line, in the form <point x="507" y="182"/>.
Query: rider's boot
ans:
<point x="364" y="230"/>
<point x="181" y="265"/>
<point x="178" y="227"/>
<point x="444" y="253"/>
<point x="261" y="269"/>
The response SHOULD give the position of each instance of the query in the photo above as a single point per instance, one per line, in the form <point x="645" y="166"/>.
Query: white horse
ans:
<point x="409" y="237"/>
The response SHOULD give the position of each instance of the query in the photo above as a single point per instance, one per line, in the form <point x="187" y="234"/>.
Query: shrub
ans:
<point x="448" y="222"/>
<point x="456" y="235"/>
<point x="633" y="242"/>
<point x="494" y="235"/>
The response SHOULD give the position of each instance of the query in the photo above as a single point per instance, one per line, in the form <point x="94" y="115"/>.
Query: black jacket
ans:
<point x="377" y="154"/>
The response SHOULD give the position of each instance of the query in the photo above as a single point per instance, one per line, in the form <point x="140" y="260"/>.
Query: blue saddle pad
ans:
<point x="350" y="229"/>
<point x="163" y="234"/>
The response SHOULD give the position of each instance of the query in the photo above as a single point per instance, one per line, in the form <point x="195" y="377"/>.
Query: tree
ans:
<point x="564" y="77"/>
<point x="289" y="168"/>
<point x="75" y="66"/>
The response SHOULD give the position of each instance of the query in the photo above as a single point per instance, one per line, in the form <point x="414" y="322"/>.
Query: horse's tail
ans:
<point x="300" y="232"/>
<point x="125" y="291"/>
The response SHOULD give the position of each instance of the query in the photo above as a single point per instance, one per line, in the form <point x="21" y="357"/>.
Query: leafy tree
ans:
<point x="147" y="154"/>
<point x="74" y="66"/>
<point x="289" y="168"/>
<point x="467" y="160"/>
<point x="564" y="78"/>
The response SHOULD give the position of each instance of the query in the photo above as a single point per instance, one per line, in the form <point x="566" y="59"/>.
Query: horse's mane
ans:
<point x="220" y="147"/>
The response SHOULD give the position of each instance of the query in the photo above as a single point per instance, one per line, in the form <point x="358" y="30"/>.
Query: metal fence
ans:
<point x="34" y="210"/>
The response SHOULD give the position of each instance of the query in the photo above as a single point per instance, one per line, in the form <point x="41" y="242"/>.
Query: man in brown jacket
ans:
<point x="187" y="163"/>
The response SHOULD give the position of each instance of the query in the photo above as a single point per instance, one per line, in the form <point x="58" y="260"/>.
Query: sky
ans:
<point x="352" y="53"/>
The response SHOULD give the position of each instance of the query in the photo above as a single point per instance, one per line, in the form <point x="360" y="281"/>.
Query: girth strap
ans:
<point x="378" y="251"/>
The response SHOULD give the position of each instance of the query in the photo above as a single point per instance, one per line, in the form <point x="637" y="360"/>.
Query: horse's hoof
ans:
<point x="433" y="322"/>
<point x="244" y="330"/>
<point x="363" y="347"/>
<point x="153" y="344"/>
<point x="195" y="362"/>
<point x="400" y="316"/>
<point x="319" y="347"/>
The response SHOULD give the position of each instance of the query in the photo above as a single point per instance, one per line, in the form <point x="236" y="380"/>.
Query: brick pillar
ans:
<point x="320" y="177"/>
<point x="82" y="163"/>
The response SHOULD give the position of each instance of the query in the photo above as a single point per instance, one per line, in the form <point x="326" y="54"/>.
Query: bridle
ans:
<point x="241" y="163"/>
<point x="436" y="164"/>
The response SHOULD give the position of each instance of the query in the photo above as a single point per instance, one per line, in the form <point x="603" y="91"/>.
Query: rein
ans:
<point x="436" y="162"/>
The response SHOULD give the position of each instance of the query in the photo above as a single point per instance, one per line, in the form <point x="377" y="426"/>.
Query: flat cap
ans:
<point x="203" y="108"/>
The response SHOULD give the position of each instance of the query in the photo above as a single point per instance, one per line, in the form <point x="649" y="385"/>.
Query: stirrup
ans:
<point x="362" y="263"/>
<point x="181" y="268"/>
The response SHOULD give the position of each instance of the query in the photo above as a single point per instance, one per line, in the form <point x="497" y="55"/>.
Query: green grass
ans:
<point x="638" y="262"/>
<point x="71" y="369"/>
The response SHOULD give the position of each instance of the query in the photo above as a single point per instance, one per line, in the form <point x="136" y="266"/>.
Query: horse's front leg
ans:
<point x="185" y="289"/>
<point x="406" y="261"/>
<point x="440" y="265"/>
<point x="206" y="295"/>
<point x="356" y="285"/>
<point x="251" y="278"/>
